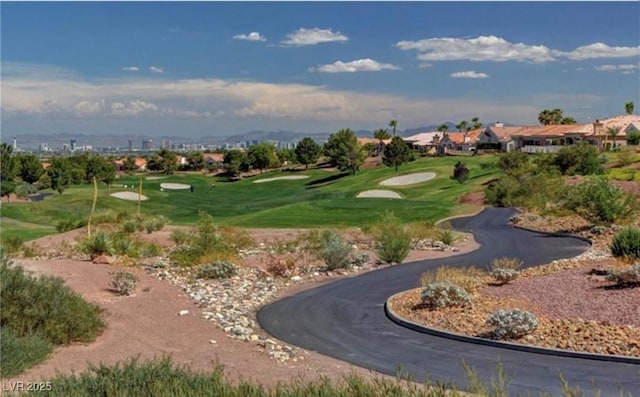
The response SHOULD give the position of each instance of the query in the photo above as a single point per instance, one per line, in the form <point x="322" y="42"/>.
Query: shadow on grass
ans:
<point x="326" y="180"/>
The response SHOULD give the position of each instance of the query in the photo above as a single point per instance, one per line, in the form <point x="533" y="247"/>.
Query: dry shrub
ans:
<point x="469" y="278"/>
<point x="423" y="230"/>
<point x="238" y="238"/>
<point x="505" y="263"/>
<point x="281" y="267"/>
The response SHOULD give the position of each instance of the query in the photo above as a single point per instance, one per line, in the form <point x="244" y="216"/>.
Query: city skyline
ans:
<point x="219" y="69"/>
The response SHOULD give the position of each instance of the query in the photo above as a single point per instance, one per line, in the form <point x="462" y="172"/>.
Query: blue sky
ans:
<point x="218" y="68"/>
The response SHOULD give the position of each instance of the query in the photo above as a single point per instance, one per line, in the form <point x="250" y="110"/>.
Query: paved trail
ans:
<point x="346" y="320"/>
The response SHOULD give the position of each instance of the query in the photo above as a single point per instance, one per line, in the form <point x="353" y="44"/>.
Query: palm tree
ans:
<point x="393" y="124"/>
<point x="443" y="128"/>
<point x="613" y="133"/>
<point x="628" y="107"/>
<point x="476" y="123"/>
<point x="462" y="126"/>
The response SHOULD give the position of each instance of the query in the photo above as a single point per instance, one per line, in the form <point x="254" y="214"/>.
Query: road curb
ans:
<point x="393" y="316"/>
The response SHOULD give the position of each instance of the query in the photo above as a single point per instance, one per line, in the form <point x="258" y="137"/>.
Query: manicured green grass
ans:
<point x="324" y="199"/>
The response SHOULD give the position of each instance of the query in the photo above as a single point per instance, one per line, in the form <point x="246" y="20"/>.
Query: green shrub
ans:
<point x="12" y="244"/>
<point x="627" y="277"/>
<point x="130" y="226"/>
<point x="598" y="201"/>
<point x="101" y="243"/>
<point x="45" y="307"/>
<point x="447" y="236"/>
<point x="334" y="251"/>
<point x="626" y="156"/>
<point x="504" y="192"/>
<point x="626" y="243"/>
<point x="504" y="276"/>
<point x="580" y="159"/>
<point x="218" y="269"/>
<point x="124" y="245"/>
<point x="391" y="238"/>
<point x="512" y="324"/>
<point x="124" y="282"/>
<point x="633" y="138"/>
<point x="444" y="294"/>
<point x="180" y="237"/>
<point x="21" y="353"/>
<point x="460" y="172"/>
<point x="65" y="225"/>
<point x="155" y="223"/>
<point x="150" y="249"/>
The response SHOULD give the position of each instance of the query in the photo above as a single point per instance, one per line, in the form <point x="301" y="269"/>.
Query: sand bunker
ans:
<point x="281" y="177"/>
<point x="153" y="178"/>
<point x="174" y="186"/>
<point x="408" y="179"/>
<point x="378" y="194"/>
<point x="131" y="196"/>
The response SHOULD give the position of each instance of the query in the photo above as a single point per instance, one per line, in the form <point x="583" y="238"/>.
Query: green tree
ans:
<point x="443" y="128"/>
<point x="233" y="161"/>
<point x="393" y="124"/>
<point x="344" y="151"/>
<point x="460" y="172"/>
<point x="6" y="188"/>
<point x="395" y="153"/>
<point x="463" y="126"/>
<point x="476" y="123"/>
<point x="628" y="107"/>
<point x="60" y="174"/>
<point x="164" y="161"/>
<point x="633" y="138"/>
<point x="29" y="167"/>
<point x="7" y="163"/>
<point x="308" y="151"/>
<point x="262" y="156"/>
<point x="568" y="120"/>
<point x="514" y="163"/>
<point x="555" y="116"/>
<point x="129" y="165"/>
<point x="381" y="134"/>
<point x="195" y="161"/>
<point x="286" y="155"/>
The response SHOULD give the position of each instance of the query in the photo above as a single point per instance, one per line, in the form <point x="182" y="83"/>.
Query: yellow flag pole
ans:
<point x="93" y="207"/>
<point x="139" y="195"/>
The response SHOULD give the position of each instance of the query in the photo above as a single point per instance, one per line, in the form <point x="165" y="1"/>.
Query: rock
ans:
<point x="183" y="312"/>
<point x="213" y="341"/>
<point x="296" y="279"/>
<point x="103" y="260"/>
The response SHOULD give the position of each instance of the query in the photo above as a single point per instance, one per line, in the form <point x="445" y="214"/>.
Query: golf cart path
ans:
<point x="346" y="320"/>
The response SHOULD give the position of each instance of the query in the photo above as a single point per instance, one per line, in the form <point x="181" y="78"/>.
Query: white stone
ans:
<point x="183" y="312"/>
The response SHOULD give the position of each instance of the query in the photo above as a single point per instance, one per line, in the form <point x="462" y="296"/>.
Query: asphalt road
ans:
<point x="346" y="320"/>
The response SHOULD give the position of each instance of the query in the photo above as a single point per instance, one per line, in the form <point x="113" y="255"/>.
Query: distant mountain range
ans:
<point x="32" y="141"/>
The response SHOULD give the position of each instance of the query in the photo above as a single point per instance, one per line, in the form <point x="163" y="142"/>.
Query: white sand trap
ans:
<point x="281" y="177"/>
<point x="379" y="194"/>
<point x="154" y="178"/>
<point x="408" y="179"/>
<point x="174" y="186"/>
<point x="131" y="196"/>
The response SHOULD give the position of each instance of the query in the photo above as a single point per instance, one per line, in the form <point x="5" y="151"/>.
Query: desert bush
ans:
<point x="504" y="276"/>
<point x="444" y="294"/>
<point x="155" y="223"/>
<point x="470" y="278"/>
<point x="580" y="159"/>
<point x="281" y="267"/>
<point x="150" y="249"/>
<point x="626" y="156"/>
<point x="65" y="225"/>
<point x="218" y="269"/>
<point x="391" y="238"/>
<point x="626" y="243"/>
<point x="123" y="245"/>
<point x="181" y="237"/>
<point x="124" y="282"/>
<point x="422" y="230"/>
<point x="598" y="201"/>
<point x="447" y="236"/>
<point x="335" y="252"/>
<point x="130" y="226"/>
<point x="360" y="259"/>
<point x="19" y="354"/>
<point x="44" y="306"/>
<point x="12" y="244"/>
<point x="626" y="277"/>
<point x="512" y="324"/>
<point x="236" y="238"/>
<point x="101" y="243"/>
<point x="506" y="263"/>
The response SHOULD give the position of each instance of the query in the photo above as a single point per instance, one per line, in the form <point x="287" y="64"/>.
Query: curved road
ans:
<point x="345" y="319"/>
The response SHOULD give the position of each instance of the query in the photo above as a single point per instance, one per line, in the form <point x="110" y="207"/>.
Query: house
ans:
<point x="140" y="162"/>
<point x="425" y="142"/>
<point x="551" y="138"/>
<point x="498" y="136"/>
<point x="460" y="141"/>
<point x="214" y="160"/>
<point x="624" y="124"/>
<point x="378" y="144"/>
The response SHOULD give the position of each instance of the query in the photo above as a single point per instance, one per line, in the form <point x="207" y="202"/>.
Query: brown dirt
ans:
<point x="147" y="324"/>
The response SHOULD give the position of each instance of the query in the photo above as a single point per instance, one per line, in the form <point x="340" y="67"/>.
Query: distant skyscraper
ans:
<point x="130" y="145"/>
<point x="73" y="145"/>
<point x="15" y="142"/>
<point x="147" y="144"/>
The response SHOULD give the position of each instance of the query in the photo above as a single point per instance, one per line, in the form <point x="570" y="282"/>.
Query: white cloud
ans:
<point x="253" y="36"/>
<point x="359" y="65"/>
<point x="469" y="74"/>
<point x="131" y="69"/>
<point x="303" y="37"/>
<point x="155" y="69"/>
<point x="482" y="48"/>
<point x="601" y="50"/>
<point x="625" y="68"/>
<point x="425" y="65"/>
<point x="247" y="103"/>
